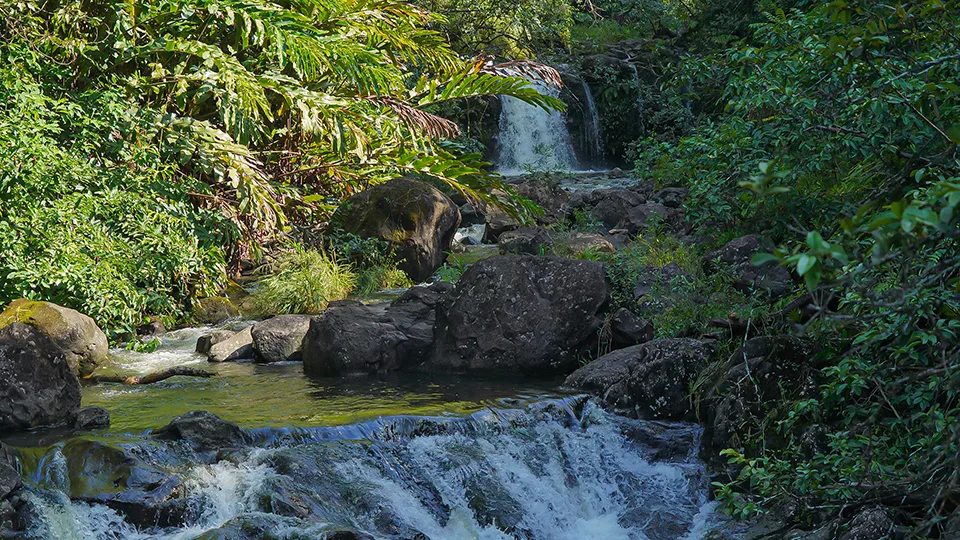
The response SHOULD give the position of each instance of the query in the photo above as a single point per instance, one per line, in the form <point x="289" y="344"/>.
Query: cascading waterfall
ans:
<point x="532" y="138"/>
<point x="592" y="123"/>
<point x="557" y="469"/>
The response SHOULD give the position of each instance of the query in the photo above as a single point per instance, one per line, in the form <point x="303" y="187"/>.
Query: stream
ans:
<point x="398" y="457"/>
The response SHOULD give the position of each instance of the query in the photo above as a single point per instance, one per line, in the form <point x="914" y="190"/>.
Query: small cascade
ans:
<point x="592" y="125"/>
<point x="532" y="138"/>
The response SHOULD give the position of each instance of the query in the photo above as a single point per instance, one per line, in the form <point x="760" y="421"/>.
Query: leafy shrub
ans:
<point x="304" y="281"/>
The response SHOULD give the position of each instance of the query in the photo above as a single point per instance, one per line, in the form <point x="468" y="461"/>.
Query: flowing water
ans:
<point x="532" y="139"/>
<point x="401" y="457"/>
<point x="591" y="120"/>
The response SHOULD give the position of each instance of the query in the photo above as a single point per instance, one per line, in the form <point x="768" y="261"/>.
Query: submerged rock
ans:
<point x="37" y="385"/>
<point x="649" y="381"/>
<point x="238" y="346"/>
<point x="145" y="496"/>
<point x="413" y="216"/>
<point x="203" y="430"/>
<point x="78" y="336"/>
<point x="90" y="418"/>
<point x="521" y="314"/>
<point x="279" y="338"/>
<point x="352" y="338"/>
<point x="735" y="257"/>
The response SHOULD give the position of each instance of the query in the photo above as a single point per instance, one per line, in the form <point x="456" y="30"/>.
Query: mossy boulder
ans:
<point x="414" y="217"/>
<point x="214" y="310"/>
<point x="83" y="343"/>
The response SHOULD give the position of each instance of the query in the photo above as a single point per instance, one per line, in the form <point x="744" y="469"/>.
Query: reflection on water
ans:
<point x="261" y="395"/>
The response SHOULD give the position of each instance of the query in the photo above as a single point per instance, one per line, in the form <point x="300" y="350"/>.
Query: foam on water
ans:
<point x="532" y="138"/>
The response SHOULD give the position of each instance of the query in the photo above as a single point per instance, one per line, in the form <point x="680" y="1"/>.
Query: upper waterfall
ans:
<point x="532" y="138"/>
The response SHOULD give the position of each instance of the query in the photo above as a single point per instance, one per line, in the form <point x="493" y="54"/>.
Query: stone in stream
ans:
<point x="627" y="210"/>
<point x="526" y="241"/>
<point x="10" y="487"/>
<point x="352" y="338"/>
<point x="37" y="385"/>
<point x="735" y="257"/>
<point x="520" y="314"/>
<point x="203" y="431"/>
<point x="207" y="341"/>
<point x="415" y="217"/>
<point x="145" y="496"/>
<point x="238" y="346"/>
<point x="648" y="381"/>
<point x="78" y="336"/>
<point x="549" y="196"/>
<point x="279" y="338"/>
<point x="91" y="417"/>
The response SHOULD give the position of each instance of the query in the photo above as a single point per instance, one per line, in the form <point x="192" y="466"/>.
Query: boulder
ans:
<point x="526" y="240"/>
<point x="238" y="346"/>
<point x="350" y="338"/>
<point x="214" y="310"/>
<point x="579" y="243"/>
<point x="415" y="217"/>
<point x="37" y="385"/>
<point x="203" y="431"/>
<point x="497" y="220"/>
<point x="870" y="524"/>
<point x="154" y="327"/>
<point x="10" y="481"/>
<point x="763" y="372"/>
<point x="520" y="314"/>
<point x="207" y="341"/>
<point x="735" y="256"/>
<point x="146" y="497"/>
<point x="549" y="195"/>
<point x="91" y="417"/>
<point x="671" y="197"/>
<point x="626" y="210"/>
<point x="649" y="381"/>
<point x="627" y="329"/>
<point x="80" y="339"/>
<point x="280" y="338"/>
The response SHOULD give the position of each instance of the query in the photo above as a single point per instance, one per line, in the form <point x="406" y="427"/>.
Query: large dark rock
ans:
<point x="549" y="195"/>
<point x="145" y="496"/>
<point x="763" y="373"/>
<point x="735" y="256"/>
<point x="207" y="341"/>
<point x="521" y="314"/>
<point x="280" y="338"/>
<point x="10" y="481"/>
<point x="651" y="380"/>
<point x="627" y="210"/>
<point x="415" y="217"/>
<point x="627" y="329"/>
<point x="351" y="338"/>
<point x="525" y="240"/>
<point x="870" y="524"/>
<point x="238" y="346"/>
<point x="78" y="336"/>
<point x="203" y="430"/>
<point x="38" y="387"/>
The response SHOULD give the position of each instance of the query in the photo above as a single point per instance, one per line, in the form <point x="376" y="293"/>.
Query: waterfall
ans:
<point x="533" y="139"/>
<point x="558" y="469"/>
<point x="592" y="124"/>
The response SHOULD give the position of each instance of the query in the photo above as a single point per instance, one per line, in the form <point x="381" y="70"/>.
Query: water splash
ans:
<point x="533" y="139"/>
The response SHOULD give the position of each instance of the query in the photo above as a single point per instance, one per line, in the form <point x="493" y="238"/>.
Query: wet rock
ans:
<point x="279" y="338"/>
<point x="549" y="196"/>
<point x="214" y="310"/>
<point x="735" y="257"/>
<point x="90" y="418"/>
<point x="662" y="441"/>
<point x="413" y="216"/>
<point x="525" y="241"/>
<point x="870" y="524"/>
<point x="766" y="370"/>
<point x="627" y="329"/>
<point x="152" y="328"/>
<point x="497" y="220"/>
<point x="206" y="341"/>
<point x="10" y="481"/>
<point x="238" y="346"/>
<point x="351" y="338"/>
<point x="626" y="210"/>
<point x="520" y="314"/>
<point x="145" y="496"/>
<point x="470" y="216"/>
<point x="37" y="385"/>
<point x="203" y="430"/>
<point x="78" y="336"/>
<point x="647" y="381"/>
